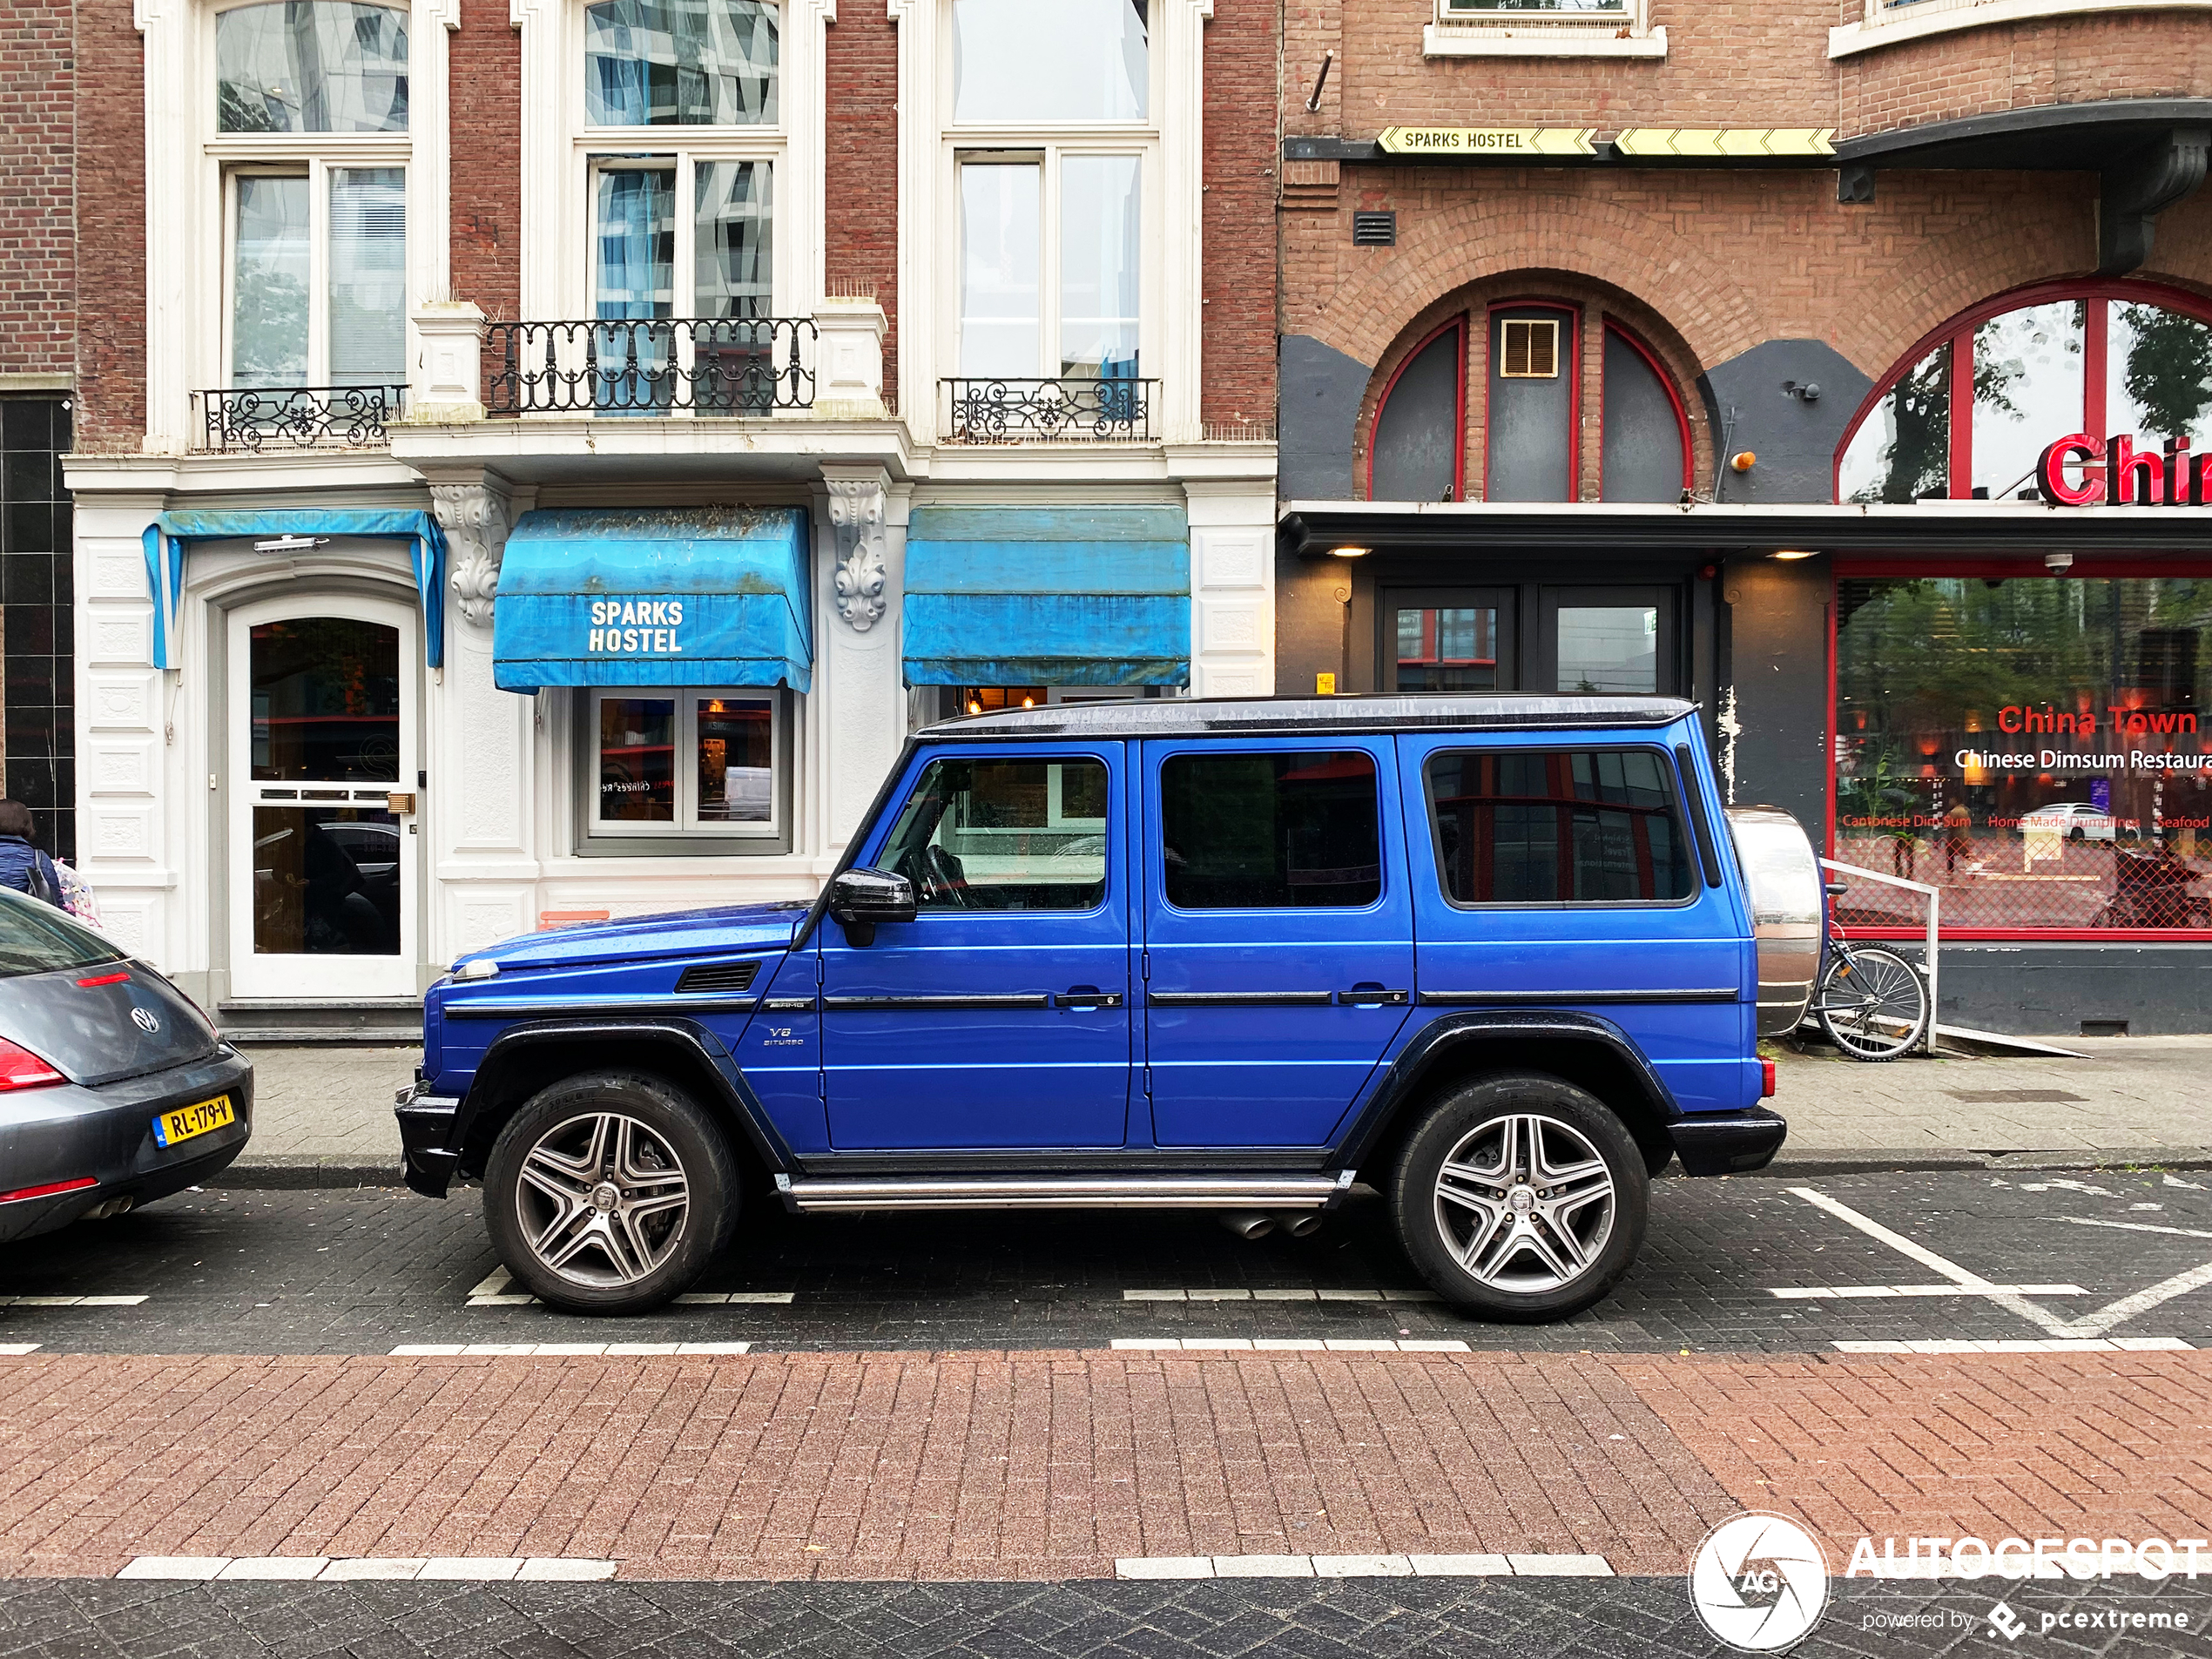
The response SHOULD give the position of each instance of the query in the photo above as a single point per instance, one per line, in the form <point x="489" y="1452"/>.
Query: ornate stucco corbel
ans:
<point x="475" y="520"/>
<point x="856" y="507"/>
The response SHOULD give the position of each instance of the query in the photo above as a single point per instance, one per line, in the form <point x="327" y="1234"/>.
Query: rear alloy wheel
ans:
<point x="609" y="1193"/>
<point x="1522" y="1198"/>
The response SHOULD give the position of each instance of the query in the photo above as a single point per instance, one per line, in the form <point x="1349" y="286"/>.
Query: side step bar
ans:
<point x="1066" y="1192"/>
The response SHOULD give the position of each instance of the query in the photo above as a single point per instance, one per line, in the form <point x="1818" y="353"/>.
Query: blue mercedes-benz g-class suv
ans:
<point x="1503" y="956"/>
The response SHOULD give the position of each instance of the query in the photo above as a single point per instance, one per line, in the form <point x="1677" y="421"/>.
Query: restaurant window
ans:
<point x="1534" y="412"/>
<point x="1968" y="414"/>
<point x="684" y="769"/>
<point x="2033" y="745"/>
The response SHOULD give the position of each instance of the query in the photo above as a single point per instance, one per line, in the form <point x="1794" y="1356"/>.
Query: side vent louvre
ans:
<point x="718" y="977"/>
<point x="1375" y="230"/>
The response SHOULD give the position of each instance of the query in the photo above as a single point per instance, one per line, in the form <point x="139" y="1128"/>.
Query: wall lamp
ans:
<point x="1349" y="552"/>
<point x="291" y="543"/>
<point x="2058" y="563"/>
<point x="1796" y="553"/>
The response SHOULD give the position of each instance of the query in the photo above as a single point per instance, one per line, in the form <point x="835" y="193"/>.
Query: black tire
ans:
<point x="1517" y="1286"/>
<point x="630" y="1251"/>
<point x="1870" y="1026"/>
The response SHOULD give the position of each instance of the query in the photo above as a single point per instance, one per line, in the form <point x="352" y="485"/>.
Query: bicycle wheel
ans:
<point x="1873" y="1004"/>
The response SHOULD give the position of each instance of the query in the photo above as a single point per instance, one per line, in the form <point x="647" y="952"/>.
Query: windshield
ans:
<point x="35" y="938"/>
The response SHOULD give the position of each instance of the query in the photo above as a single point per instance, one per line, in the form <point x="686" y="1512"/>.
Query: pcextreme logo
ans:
<point x="1759" y="1582"/>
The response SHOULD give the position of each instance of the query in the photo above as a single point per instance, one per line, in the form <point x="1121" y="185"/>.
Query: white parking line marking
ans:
<point x="492" y="1292"/>
<point x="2134" y="1226"/>
<point x="563" y="1350"/>
<point x="354" y="1568"/>
<point x="2036" y="1345"/>
<point x="71" y="1301"/>
<point x="1523" y="1566"/>
<point x="1283" y="1344"/>
<point x="1209" y="1293"/>
<point x="737" y="1298"/>
<point x="1824" y="1292"/>
<point x="17" y="1350"/>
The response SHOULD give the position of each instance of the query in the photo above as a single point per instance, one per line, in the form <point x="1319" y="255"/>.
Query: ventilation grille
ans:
<point x="1531" y="350"/>
<point x="718" y="977"/>
<point x="1375" y="230"/>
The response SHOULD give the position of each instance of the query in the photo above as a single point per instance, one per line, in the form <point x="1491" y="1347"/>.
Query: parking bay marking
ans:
<point x="71" y="1301"/>
<point x="1209" y="1293"/>
<point x="2090" y="1325"/>
<point x="1832" y="1293"/>
<point x="492" y="1292"/>
<point x="560" y="1350"/>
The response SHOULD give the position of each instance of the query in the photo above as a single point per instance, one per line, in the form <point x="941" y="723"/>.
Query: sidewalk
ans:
<point x="323" y="1112"/>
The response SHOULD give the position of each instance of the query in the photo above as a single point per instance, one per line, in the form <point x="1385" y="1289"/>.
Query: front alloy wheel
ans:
<point x="1520" y="1197"/>
<point x="609" y="1192"/>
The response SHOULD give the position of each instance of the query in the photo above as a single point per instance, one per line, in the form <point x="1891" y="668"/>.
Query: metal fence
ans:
<point x="698" y="366"/>
<point x="1009" y="411"/>
<point x="252" y="418"/>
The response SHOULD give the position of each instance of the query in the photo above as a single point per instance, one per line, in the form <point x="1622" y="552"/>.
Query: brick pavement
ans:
<point x="1048" y="1466"/>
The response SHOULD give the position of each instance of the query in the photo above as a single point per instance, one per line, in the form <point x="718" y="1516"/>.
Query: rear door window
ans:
<point x="1270" y="832"/>
<point x="35" y="938"/>
<point x="1557" y="826"/>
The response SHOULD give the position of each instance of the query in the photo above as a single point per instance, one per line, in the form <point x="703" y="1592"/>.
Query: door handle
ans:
<point x="1087" y="996"/>
<point x="1374" y="996"/>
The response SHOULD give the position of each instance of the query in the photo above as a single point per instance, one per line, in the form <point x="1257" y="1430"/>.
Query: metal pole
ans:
<point x="1935" y="913"/>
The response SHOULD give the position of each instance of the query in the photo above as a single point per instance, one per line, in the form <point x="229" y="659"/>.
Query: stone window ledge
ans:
<point x="1546" y="40"/>
<point x="1928" y="17"/>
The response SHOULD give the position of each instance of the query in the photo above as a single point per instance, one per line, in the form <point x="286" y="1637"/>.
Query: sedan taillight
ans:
<point x="20" y="1069"/>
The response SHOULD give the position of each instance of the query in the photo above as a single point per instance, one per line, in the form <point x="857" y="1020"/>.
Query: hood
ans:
<point x="679" y="933"/>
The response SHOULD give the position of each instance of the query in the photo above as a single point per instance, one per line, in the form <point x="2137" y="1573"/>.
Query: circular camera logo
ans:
<point x="1759" y="1582"/>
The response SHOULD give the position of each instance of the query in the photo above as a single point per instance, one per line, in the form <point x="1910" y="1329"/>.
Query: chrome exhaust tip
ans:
<point x="1299" y="1224"/>
<point x="1247" y="1224"/>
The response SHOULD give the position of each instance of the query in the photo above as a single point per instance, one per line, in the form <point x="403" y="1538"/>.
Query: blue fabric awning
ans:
<point x="655" y="596"/>
<point x="1047" y="596"/>
<point x="166" y="539"/>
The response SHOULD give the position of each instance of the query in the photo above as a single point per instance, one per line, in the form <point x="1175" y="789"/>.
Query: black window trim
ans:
<point x="1155" y="832"/>
<point x="1692" y="843"/>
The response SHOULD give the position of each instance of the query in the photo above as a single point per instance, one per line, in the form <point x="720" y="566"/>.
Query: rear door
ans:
<point x="1277" y="934"/>
<point x="1000" y="1015"/>
<point x="1560" y="872"/>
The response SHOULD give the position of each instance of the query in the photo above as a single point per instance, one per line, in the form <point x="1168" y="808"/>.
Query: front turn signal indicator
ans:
<point x="20" y="1069"/>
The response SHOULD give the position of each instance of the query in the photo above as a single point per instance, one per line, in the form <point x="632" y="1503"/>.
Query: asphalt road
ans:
<point x="368" y="1270"/>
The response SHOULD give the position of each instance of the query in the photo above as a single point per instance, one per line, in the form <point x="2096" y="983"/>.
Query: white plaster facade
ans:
<point x="495" y="839"/>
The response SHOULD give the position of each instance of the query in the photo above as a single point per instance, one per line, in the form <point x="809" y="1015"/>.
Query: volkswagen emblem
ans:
<point x="145" y="1021"/>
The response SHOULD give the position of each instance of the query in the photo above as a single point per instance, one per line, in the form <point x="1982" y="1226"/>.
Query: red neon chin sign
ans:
<point x="2073" y="449"/>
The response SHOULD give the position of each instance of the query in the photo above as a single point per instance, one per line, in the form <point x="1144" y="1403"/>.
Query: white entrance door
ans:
<point x="322" y="871"/>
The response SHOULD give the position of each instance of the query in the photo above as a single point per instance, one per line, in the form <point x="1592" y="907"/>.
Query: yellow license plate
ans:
<point x="185" y="1121"/>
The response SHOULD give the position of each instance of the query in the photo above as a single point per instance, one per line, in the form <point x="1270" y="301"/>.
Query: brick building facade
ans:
<point x="1716" y="354"/>
<point x="826" y="327"/>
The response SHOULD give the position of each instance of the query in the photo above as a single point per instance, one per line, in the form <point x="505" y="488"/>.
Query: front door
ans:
<point x="999" y="1016"/>
<point x="1278" y="935"/>
<point x="321" y="735"/>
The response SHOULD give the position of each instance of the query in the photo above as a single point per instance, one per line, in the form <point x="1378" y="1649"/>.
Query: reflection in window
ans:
<point x="2027" y="391"/>
<point x="269" y="277"/>
<point x="731" y="239"/>
<point x="311" y="66"/>
<point x="1000" y="333"/>
<point x="2033" y="745"/>
<point x="1902" y="451"/>
<point x="326" y="701"/>
<point x="1270" y="832"/>
<point x="1609" y="648"/>
<point x="1557" y="826"/>
<point x="736" y="755"/>
<point x="1003" y="835"/>
<point x="1451" y="648"/>
<point x="680" y="62"/>
<point x="1099" y="238"/>
<point x="1031" y="61"/>
<point x="2158" y="367"/>
<point x="638" y="759"/>
<point x="325" y="881"/>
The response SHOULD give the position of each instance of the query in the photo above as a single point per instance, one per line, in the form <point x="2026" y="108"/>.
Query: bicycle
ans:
<point x="1871" y="1002"/>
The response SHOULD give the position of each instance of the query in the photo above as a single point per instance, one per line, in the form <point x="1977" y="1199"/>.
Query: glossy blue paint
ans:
<point x="1260" y="1074"/>
<point x="944" y="1075"/>
<point x="780" y="1053"/>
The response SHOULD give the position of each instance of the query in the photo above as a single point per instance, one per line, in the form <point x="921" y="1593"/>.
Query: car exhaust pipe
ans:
<point x="113" y="1207"/>
<point x="1248" y="1225"/>
<point x="1299" y="1224"/>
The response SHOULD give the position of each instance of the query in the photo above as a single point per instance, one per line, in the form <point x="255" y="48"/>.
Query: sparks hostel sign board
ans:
<point x="691" y="596"/>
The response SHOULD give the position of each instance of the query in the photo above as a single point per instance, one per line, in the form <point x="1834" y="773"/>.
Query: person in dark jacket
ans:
<point x="23" y="867"/>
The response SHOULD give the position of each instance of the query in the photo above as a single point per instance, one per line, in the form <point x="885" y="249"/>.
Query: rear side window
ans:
<point x="1270" y="832"/>
<point x="1557" y="826"/>
<point x="35" y="938"/>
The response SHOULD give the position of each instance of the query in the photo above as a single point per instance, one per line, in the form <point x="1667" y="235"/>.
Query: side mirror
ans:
<point x="864" y="899"/>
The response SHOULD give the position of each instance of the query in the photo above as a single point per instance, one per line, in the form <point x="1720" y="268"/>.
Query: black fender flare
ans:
<point x="1413" y="1065"/>
<point x="735" y="1094"/>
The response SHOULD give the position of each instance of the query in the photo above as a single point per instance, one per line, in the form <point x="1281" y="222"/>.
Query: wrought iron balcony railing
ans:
<point x="701" y="366"/>
<point x="1007" y="411"/>
<point x="254" y="418"/>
